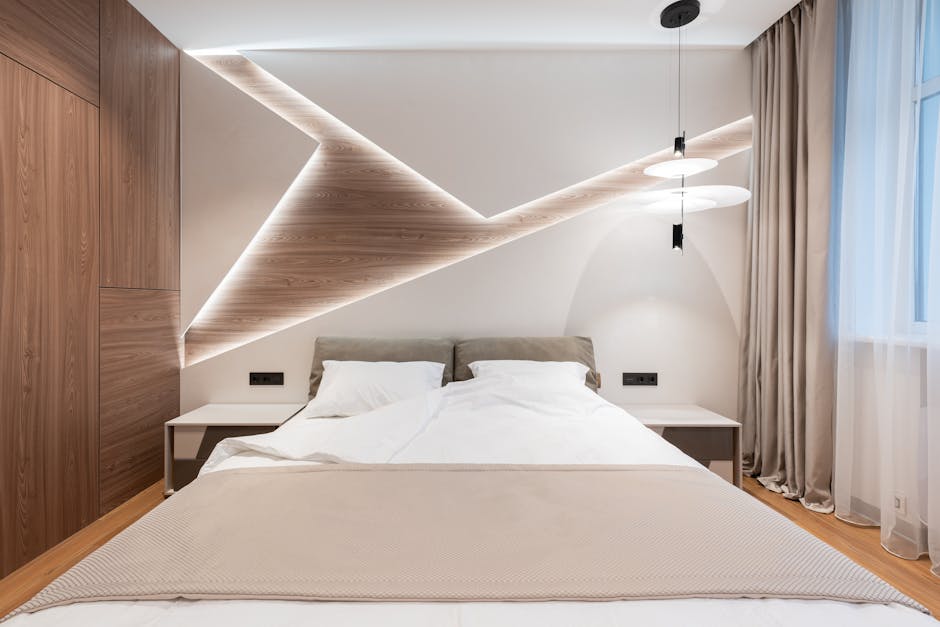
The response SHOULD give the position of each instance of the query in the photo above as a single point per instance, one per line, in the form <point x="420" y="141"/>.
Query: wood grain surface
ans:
<point x="140" y="387"/>
<point x="357" y="221"/>
<point x="140" y="218"/>
<point x="55" y="38"/>
<point x="860" y="544"/>
<point x="25" y="582"/>
<point x="49" y="314"/>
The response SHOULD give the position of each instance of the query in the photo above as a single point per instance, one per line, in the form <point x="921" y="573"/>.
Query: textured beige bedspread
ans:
<point x="464" y="533"/>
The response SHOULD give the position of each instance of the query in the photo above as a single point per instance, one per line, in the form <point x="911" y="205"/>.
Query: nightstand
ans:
<point x="699" y="433"/>
<point x="189" y="439"/>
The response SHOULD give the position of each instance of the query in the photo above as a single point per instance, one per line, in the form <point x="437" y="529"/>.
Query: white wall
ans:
<point x="497" y="129"/>
<point x="460" y="120"/>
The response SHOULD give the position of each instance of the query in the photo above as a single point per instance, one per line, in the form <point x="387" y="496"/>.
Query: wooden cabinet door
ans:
<point x="48" y="314"/>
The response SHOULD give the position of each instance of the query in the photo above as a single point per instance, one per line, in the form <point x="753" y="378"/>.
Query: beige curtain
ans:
<point x="786" y="378"/>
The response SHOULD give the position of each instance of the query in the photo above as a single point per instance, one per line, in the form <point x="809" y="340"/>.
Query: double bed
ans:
<point x="504" y="498"/>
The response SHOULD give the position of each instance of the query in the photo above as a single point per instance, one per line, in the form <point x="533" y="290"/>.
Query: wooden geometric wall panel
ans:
<point x="55" y="38"/>
<point x="494" y="130"/>
<point x="140" y="389"/>
<point x="239" y="163"/>
<point x="49" y="310"/>
<point x="357" y="221"/>
<point x="140" y="221"/>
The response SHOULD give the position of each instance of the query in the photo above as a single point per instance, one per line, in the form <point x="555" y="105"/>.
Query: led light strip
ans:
<point x="336" y="137"/>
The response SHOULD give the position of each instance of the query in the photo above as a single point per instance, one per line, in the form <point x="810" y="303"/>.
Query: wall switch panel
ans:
<point x="640" y="378"/>
<point x="266" y="378"/>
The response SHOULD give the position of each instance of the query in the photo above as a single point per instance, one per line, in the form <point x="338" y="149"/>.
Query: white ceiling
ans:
<point x="450" y="24"/>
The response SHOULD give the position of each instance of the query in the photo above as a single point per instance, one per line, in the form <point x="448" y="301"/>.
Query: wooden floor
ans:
<point x="23" y="583"/>
<point x="861" y="544"/>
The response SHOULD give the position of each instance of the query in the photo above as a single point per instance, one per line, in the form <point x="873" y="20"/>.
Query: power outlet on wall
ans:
<point x="900" y="504"/>
<point x="640" y="378"/>
<point x="265" y="378"/>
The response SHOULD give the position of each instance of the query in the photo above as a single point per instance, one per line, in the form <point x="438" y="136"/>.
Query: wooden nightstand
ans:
<point x="189" y="439"/>
<point x="699" y="433"/>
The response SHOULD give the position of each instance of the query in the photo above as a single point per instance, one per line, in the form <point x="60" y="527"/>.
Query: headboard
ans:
<point x="567" y="348"/>
<point x="456" y="357"/>
<point x="380" y="349"/>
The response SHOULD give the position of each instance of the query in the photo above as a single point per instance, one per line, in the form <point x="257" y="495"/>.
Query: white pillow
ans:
<point x="564" y="371"/>
<point x="354" y="387"/>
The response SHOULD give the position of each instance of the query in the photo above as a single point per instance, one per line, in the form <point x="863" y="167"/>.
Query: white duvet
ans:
<point x="500" y="420"/>
<point x="497" y="421"/>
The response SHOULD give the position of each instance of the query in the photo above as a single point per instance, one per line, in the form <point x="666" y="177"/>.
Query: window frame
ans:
<point x="922" y="90"/>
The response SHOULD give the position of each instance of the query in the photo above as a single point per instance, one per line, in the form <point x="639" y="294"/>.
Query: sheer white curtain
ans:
<point x="930" y="449"/>
<point x="887" y="457"/>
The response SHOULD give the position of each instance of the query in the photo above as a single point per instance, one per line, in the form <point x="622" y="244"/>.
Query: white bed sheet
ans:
<point x="486" y="421"/>
<point x="503" y="420"/>
<point x="668" y="613"/>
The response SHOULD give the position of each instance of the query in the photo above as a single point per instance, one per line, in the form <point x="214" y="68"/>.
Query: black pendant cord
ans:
<point x="682" y="204"/>
<point x="676" y="15"/>
<point x="682" y="216"/>
<point x="679" y="89"/>
<point x="681" y="133"/>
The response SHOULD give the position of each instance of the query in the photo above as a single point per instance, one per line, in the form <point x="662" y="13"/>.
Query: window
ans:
<point x="927" y="99"/>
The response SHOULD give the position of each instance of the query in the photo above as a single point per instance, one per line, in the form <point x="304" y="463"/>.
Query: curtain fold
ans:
<point x="786" y="379"/>
<point x="887" y="469"/>
<point x="929" y="451"/>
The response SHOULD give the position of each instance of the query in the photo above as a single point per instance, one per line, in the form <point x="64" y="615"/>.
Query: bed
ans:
<point x="493" y="500"/>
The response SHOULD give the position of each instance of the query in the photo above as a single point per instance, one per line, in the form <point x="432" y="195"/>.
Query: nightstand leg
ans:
<point x="168" y="455"/>
<point x="736" y="462"/>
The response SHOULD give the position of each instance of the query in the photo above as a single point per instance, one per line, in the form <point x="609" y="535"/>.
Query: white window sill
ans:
<point x="906" y="341"/>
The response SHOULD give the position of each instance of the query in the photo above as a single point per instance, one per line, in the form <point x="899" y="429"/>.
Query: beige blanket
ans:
<point x="464" y="533"/>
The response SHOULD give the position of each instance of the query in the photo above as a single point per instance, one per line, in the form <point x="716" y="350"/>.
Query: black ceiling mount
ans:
<point x="679" y="13"/>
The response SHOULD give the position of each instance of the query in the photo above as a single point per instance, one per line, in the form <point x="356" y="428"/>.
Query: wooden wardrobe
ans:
<point x="89" y="264"/>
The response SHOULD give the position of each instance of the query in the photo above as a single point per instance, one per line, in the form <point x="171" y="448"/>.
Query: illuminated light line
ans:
<point x="248" y="338"/>
<point x="612" y="177"/>
<point x="216" y="60"/>
<point x="327" y="129"/>
<point x="343" y="132"/>
<point x="291" y="189"/>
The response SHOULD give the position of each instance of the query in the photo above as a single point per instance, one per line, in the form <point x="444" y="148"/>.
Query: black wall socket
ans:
<point x="265" y="378"/>
<point x="640" y="378"/>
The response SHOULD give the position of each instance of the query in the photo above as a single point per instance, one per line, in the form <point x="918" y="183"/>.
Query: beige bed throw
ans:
<point x="464" y="533"/>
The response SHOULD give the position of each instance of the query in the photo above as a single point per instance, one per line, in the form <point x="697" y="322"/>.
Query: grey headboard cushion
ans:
<point x="380" y="349"/>
<point x="578" y="349"/>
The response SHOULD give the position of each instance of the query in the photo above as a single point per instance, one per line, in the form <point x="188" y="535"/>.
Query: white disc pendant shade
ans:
<point x="677" y="168"/>
<point x="673" y="204"/>
<point x="698" y="198"/>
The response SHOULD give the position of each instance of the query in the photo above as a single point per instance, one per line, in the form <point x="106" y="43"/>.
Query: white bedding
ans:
<point x="500" y="420"/>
